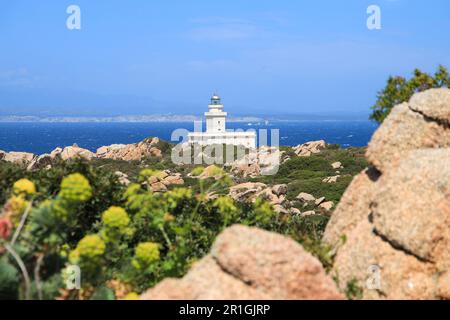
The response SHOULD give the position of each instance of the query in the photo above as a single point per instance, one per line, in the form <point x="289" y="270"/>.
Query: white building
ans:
<point x="216" y="132"/>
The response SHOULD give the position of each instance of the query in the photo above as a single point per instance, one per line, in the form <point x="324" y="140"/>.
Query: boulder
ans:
<point x="175" y="179"/>
<point x="278" y="208"/>
<point x="205" y="281"/>
<point x="269" y="159"/>
<point x="332" y="179"/>
<point x="244" y="191"/>
<point x="75" y="152"/>
<point x="262" y="161"/>
<point x="2" y="154"/>
<point x="400" y="274"/>
<point x="56" y="153"/>
<point x="271" y="197"/>
<point x="419" y="221"/>
<point x="246" y="170"/>
<point x="249" y="263"/>
<point x="158" y="187"/>
<point x="433" y="104"/>
<point x="328" y="205"/>
<point x="279" y="189"/>
<point x="308" y="213"/>
<point x="411" y="126"/>
<point x="123" y="178"/>
<point x="305" y="197"/>
<point x="352" y="208"/>
<point x="250" y="191"/>
<point x="336" y="165"/>
<point x="20" y="158"/>
<point x="40" y="162"/>
<point x="394" y="217"/>
<point x="109" y="151"/>
<point x="308" y="148"/>
<point x="319" y="201"/>
<point x="160" y="182"/>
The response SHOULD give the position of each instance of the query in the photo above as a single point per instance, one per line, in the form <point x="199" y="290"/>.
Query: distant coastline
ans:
<point x="166" y="118"/>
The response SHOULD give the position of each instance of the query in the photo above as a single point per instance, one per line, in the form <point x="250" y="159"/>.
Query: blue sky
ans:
<point x="262" y="56"/>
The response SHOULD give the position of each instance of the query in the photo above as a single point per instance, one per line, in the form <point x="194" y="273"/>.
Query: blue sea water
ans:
<point x="40" y="137"/>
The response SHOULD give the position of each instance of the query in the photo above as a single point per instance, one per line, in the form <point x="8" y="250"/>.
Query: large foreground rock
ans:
<point x="419" y="222"/>
<point x="394" y="218"/>
<point x="249" y="263"/>
<point x="411" y="126"/>
<point x="353" y="207"/>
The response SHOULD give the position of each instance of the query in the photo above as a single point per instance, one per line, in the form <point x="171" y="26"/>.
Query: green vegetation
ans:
<point x="398" y="90"/>
<point x="353" y="291"/>
<point x="305" y="174"/>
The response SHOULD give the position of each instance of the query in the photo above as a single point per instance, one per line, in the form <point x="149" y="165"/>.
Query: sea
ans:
<point x="43" y="137"/>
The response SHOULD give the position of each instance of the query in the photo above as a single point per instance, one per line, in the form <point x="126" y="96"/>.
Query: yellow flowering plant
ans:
<point x="115" y="224"/>
<point x="146" y="253"/>
<point x="75" y="188"/>
<point x="24" y="187"/>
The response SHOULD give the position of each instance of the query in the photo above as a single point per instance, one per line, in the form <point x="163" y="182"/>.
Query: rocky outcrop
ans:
<point x="43" y="161"/>
<point x="394" y="217"/>
<point x="309" y="148"/>
<point x="250" y="191"/>
<point x="262" y="161"/>
<point x="20" y="158"/>
<point x="249" y="263"/>
<point x="56" y="153"/>
<point x="73" y="152"/>
<point x="161" y="181"/>
<point x="123" y="178"/>
<point x="305" y="197"/>
<point x="131" y="152"/>
<point x="110" y="152"/>
<point x="246" y="191"/>
<point x="279" y="189"/>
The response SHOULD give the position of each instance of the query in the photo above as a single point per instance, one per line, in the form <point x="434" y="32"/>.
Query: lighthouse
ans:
<point x="216" y="129"/>
<point x="215" y="116"/>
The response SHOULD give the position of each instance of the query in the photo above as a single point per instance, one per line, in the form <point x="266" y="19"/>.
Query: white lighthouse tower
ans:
<point x="215" y="116"/>
<point x="216" y="132"/>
